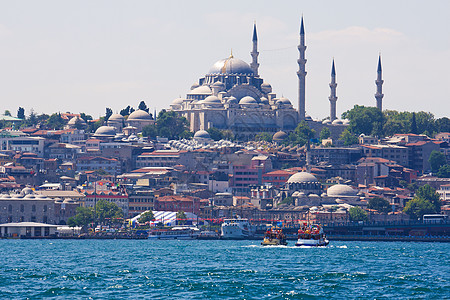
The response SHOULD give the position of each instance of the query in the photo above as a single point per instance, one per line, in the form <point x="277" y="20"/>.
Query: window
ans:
<point x="22" y="208"/>
<point x="10" y="208"/>
<point x="33" y="208"/>
<point x="45" y="208"/>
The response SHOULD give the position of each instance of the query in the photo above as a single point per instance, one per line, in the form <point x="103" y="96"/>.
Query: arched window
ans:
<point x="10" y="208"/>
<point x="45" y="208"/>
<point x="22" y="208"/>
<point x="33" y="208"/>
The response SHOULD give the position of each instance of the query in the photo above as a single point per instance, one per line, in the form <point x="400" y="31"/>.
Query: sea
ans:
<point x="218" y="269"/>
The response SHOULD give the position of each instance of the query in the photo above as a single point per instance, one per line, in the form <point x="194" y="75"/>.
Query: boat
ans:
<point x="208" y="235"/>
<point x="237" y="229"/>
<point x="312" y="236"/>
<point x="175" y="233"/>
<point x="274" y="237"/>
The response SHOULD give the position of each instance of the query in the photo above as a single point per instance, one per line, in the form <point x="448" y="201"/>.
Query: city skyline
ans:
<point x="83" y="57"/>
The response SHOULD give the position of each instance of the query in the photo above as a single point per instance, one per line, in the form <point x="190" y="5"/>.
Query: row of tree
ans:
<point x="104" y="212"/>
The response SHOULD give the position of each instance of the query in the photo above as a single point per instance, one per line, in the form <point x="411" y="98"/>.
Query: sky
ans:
<point x="84" y="56"/>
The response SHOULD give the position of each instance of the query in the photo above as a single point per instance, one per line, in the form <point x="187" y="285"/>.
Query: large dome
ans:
<point x="279" y="136"/>
<point x="116" y="117"/>
<point x="248" y="100"/>
<point x="139" y="115"/>
<point x="76" y="121"/>
<point x="301" y="177"/>
<point x="341" y="190"/>
<point x="105" y="131"/>
<point x="212" y="100"/>
<point x="231" y="65"/>
<point x="202" y="134"/>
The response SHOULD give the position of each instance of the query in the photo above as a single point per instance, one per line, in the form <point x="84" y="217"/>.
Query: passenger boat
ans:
<point x="237" y="229"/>
<point x="311" y="235"/>
<point x="175" y="233"/>
<point x="274" y="237"/>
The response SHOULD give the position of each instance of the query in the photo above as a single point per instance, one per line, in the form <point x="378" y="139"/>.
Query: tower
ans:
<point x="301" y="73"/>
<point x="255" y="65"/>
<point x="379" y="82"/>
<point x="333" y="98"/>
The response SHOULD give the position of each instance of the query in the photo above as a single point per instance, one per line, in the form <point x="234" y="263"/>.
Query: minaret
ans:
<point x="379" y="82"/>
<point x="301" y="74"/>
<point x="255" y="65"/>
<point x="333" y="98"/>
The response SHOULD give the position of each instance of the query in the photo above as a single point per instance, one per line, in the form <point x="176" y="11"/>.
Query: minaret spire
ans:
<point x="301" y="73"/>
<point x="379" y="82"/>
<point x="255" y="65"/>
<point x="333" y="98"/>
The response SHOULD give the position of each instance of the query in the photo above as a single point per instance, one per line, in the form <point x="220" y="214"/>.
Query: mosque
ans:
<point x="233" y="96"/>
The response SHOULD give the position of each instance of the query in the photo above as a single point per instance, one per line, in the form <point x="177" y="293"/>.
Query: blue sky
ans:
<point x="83" y="56"/>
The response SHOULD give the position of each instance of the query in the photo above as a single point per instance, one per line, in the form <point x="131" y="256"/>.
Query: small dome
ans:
<point x="194" y="86"/>
<point x="279" y="136"/>
<point x="285" y="101"/>
<point x="308" y="118"/>
<point x="232" y="100"/>
<point x="326" y="121"/>
<point x="302" y="177"/>
<point x="202" y="134"/>
<point x="139" y="115"/>
<point x="337" y="122"/>
<point x="116" y="117"/>
<point x="231" y="65"/>
<point x="76" y="121"/>
<point x="105" y="131"/>
<point x="248" y="100"/>
<point x="27" y="191"/>
<point x="264" y="100"/>
<point x="341" y="190"/>
<point x="346" y="121"/>
<point x="218" y="84"/>
<point x="177" y="101"/>
<point x="201" y="90"/>
<point x="211" y="100"/>
<point x="266" y="87"/>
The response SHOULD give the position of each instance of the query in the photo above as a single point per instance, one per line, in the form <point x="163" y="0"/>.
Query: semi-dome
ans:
<point x="279" y="136"/>
<point x="301" y="177"/>
<point x="27" y="191"/>
<point x="202" y="134"/>
<point x="341" y="190"/>
<point x="105" y="131"/>
<point x="326" y="121"/>
<point x="177" y="101"/>
<point x="230" y="66"/>
<point x="212" y="100"/>
<point x="285" y="101"/>
<point x="201" y="90"/>
<point x="218" y="84"/>
<point x="337" y="122"/>
<point x="232" y="100"/>
<point x="139" y="115"/>
<point x="248" y="100"/>
<point x="116" y="117"/>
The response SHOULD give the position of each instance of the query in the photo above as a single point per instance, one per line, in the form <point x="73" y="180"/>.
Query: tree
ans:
<point x="83" y="217"/>
<point x="55" y="121"/>
<point x="215" y="133"/>
<point x="301" y="135"/>
<point x="380" y="204"/>
<point x="413" y="123"/>
<point x="146" y="217"/>
<point x="444" y="171"/>
<point x="348" y="138"/>
<point x="7" y="113"/>
<point x="325" y="133"/>
<point x="436" y="160"/>
<point x="126" y="111"/>
<point x="170" y="125"/>
<point x="418" y="207"/>
<point x="21" y="113"/>
<point x="356" y="213"/>
<point x="228" y="135"/>
<point x="181" y="216"/>
<point x="263" y="136"/>
<point x="85" y="117"/>
<point x="106" y="210"/>
<point x="143" y="106"/>
<point x="150" y="131"/>
<point x="108" y="114"/>
<point x="443" y="124"/>
<point x="428" y="193"/>
<point x="365" y="120"/>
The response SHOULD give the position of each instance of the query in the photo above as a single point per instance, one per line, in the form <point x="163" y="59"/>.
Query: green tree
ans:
<point x="443" y="124"/>
<point x="143" y="106"/>
<point x="418" y="207"/>
<point x="413" y="123"/>
<point x="108" y="114"/>
<point x="84" y="216"/>
<point x="301" y="135"/>
<point x="428" y="193"/>
<point x="215" y="133"/>
<point x="55" y="121"/>
<point x="356" y="213"/>
<point x="181" y="217"/>
<point x="186" y="135"/>
<point x="150" y="131"/>
<point x="348" y="138"/>
<point x="325" y="133"/>
<point x="263" y="136"/>
<point x="146" y="217"/>
<point x="228" y="135"/>
<point x="85" y="117"/>
<point x="380" y="204"/>
<point x="444" y="171"/>
<point x="365" y="120"/>
<point x="126" y="111"/>
<point x="21" y="113"/>
<point x="7" y="113"/>
<point x="106" y="210"/>
<point x="436" y="160"/>
<point x="170" y="125"/>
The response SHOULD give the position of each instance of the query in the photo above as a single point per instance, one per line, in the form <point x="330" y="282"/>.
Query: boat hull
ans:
<point x="311" y="243"/>
<point x="274" y="242"/>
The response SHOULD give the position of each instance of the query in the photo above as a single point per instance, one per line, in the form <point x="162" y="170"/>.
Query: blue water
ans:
<point x="142" y="269"/>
